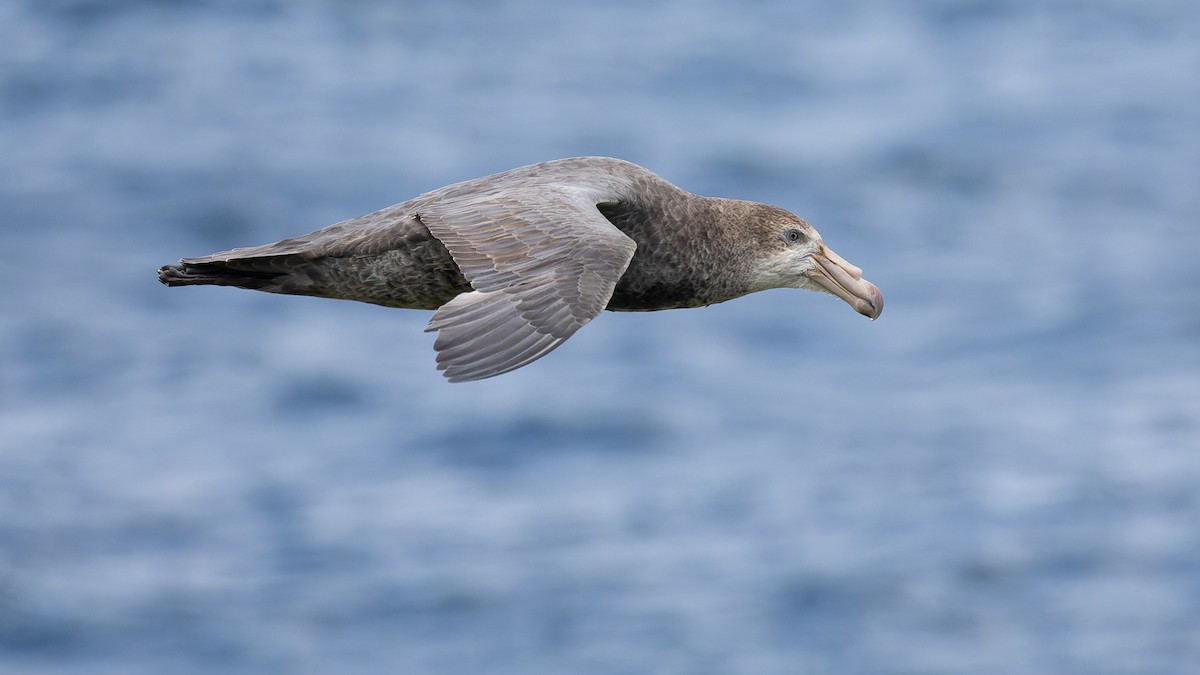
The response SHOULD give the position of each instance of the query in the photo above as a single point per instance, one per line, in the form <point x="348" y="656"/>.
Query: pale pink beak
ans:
<point x="845" y="281"/>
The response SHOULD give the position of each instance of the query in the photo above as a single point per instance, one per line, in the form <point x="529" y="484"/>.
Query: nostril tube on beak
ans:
<point x="841" y="262"/>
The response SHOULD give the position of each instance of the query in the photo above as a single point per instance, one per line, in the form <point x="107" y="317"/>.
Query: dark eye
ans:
<point x="793" y="235"/>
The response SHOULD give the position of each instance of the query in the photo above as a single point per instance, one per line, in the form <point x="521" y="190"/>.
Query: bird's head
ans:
<point x="797" y="257"/>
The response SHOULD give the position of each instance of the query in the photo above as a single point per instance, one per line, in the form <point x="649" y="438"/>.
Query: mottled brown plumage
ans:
<point x="516" y="262"/>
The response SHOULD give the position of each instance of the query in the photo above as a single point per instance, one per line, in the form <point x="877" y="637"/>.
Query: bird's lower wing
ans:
<point x="543" y="262"/>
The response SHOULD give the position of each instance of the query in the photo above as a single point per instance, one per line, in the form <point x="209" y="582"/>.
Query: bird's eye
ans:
<point x="793" y="235"/>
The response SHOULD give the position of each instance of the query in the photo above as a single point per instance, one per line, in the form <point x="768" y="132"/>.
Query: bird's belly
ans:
<point x="655" y="295"/>
<point x="407" y="278"/>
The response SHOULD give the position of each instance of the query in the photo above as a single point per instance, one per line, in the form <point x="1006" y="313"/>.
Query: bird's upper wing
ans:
<point x="542" y="261"/>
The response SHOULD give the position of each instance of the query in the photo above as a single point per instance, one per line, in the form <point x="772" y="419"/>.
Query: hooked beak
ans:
<point x="844" y="280"/>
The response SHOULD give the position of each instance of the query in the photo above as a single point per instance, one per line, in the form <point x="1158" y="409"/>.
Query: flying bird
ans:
<point x="516" y="262"/>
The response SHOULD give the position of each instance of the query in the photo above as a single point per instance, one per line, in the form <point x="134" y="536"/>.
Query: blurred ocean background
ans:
<point x="1001" y="475"/>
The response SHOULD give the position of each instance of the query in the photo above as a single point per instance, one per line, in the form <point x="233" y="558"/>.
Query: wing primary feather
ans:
<point x="476" y="362"/>
<point x="531" y="352"/>
<point x="455" y="350"/>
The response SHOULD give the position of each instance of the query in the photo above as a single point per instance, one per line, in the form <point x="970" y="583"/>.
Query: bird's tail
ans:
<point x="274" y="274"/>
<point x="212" y="273"/>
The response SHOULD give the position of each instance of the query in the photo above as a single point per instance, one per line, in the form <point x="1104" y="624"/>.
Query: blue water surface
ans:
<point x="1001" y="475"/>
